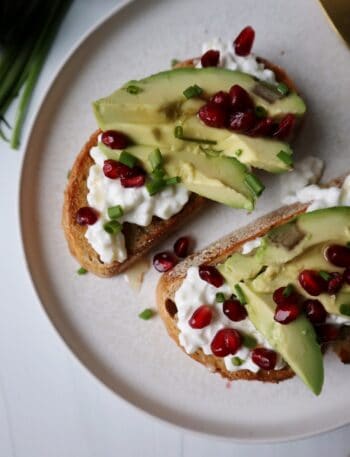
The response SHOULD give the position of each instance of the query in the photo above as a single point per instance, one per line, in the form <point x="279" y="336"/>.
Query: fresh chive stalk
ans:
<point x="260" y="112"/>
<point x="155" y="158"/>
<point x="112" y="227"/>
<point x="240" y="294"/>
<point x="173" y="180"/>
<point x="114" y="212"/>
<point x="127" y="159"/>
<point x="220" y="297"/>
<point x="237" y="361"/>
<point x="146" y="314"/>
<point x="288" y="290"/>
<point x="155" y="185"/>
<point x="282" y="88"/>
<point x="193" y="91"/>
<point x="254" y="184"/>
<point x="325" y="275"/>
<point x="134" y="90"/>
<point x="249" y="341"/>
<point x="285" y="157"/>
<point x="81" y="271"/>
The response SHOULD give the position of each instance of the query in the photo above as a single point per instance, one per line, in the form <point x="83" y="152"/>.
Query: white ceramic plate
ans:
<point x="98" y="317"/>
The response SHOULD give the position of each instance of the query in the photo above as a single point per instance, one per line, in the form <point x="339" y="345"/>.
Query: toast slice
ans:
<point x="214" y="254"/>
<point x="139" y="240"/>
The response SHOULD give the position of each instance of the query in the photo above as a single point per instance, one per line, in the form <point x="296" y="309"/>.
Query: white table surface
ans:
<point x="49" y="404"/>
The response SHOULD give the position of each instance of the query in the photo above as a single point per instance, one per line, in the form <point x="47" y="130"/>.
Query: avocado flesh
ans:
<point x="161" y="99"/>
<point x="217" y="178"/>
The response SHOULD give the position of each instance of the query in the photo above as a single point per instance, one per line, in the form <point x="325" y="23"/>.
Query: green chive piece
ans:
<point x="220" y="297"/>
<point x="155" y="185"/>
<point x="326" y="276"/>
<point x="127" y="159"/>
<point x="155" y="158"/>
<point x="254" y="184"/>
<point x="82" y="271"/>
<point x="237" y="361"/>
<point x="240" y="294"/>
<point x="173" y="180"/>
<point x="193" y="91"/>
<point x="158" y="173"/>
<point x="260" y="112"/>
<point x="146" y="314"/>
<point x="249" y="341"/>
<point x="285" y="157"/>
<point x="282" y="88"/>
<point x="112" y="227"/>
<point x="114" y="212"/>
<point x="179" y="133"/>
<point x="174" y="62"/>
<point x="288" y="290"/>
<point x="238" y="152"/>
<point x="345" y="309"/>
<point x="132" y="89"/>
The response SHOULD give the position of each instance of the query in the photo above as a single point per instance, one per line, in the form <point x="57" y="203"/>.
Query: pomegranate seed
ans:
<point x="242" y="122"/>
<point x="338" y="255"/>
<point x="226" y="341"/>
<point x="285" y="127"/>
<point x="210" y="58"/>
<point x="113" y="169"/>
<point x="164" y="261"/>
<point x="264" y="127"/>
<point x="315" y="311"/>
<point x="312" y="282"/>
<point x="201" y="317"/>
<point x="181" y="246"/>
<point x="286" y="313"/>
<point x="221" y="98"/>
<point x="114" y="139"/>
<point x="265" y="358"/>
<point x="213" y="115"/>
<point x="281" y="299"/>
<point x="86" y="216"/>
<point x="244" y="42"/>
<point x="346" y="275"/>
<point x="327" y="332"/>
<point x="211" y="275"/>
<point x="240" y="99"/>
<point x="335" y="283"/>
<point x="234" y="310"/>
<point x="135" y="177"/>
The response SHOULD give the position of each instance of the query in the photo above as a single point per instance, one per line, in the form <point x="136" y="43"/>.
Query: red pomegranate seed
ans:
<point x="265" y="358"/>
<point x="86" y="216"/>
<point x="221" y="98"/>
<point x="284" y="314"/>
<point x="244" y="42"/>
<point x="315" y="311"/>
<point x="264" y="127"/>
<point x="346" y="275"/>
<point x="211" y="275"/>
<point x="335" y="283"/>
<point x="181" y="246"/>
<point x="164" y="261"/>
<point x="338" y="255"/>
<point x="201" y="317"/>
<point x="240" y="99"/>
<point x="113" y="169"/>
<point x="234" y="310"/>
<point x="312" y="282"/>
<point x="114" y="139"/>
<point x="327" y="332"/>
<point x="242" y="122"/>
<point x="281" y="299"/>
<point x="213" y="115"/>
<point x="226" y="341"/>
<point x="135" y="177"/>
<point x="210" y="58"/>
<point x="285" y="127"/>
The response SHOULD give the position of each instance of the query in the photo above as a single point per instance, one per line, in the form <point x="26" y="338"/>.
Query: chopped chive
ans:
<point x="158" y="173"/>
<point x="260" y="111"/>
<point x="174" y="62"/>
<point x="220" y="297"/>
<point x="282" y="88"/>
<point x="193" y="91"/>
<point x="324" y="275"/>
<point x="249" y="341"/>
<point x="285" y="157"/>
<point x="237" y="361"/>
<point x="240" y="294"/>
<point x="112" y="227"/>
<point x="132" y="89"/>
<point x="254" y="184"/>
<point x="179" y="133"/>
<point x="82" y="271"/>
<point x="155" y="158"/>
<point x="155" y="185"/>
<point x="114" y="212"/>
<point x="146" y="314"/>
<point x="345" y="309"/>
<point x="173" y="180"/>
<point x="127" y="159"/>
<point x="238" y="152"/>
<point x="288" y="290"/>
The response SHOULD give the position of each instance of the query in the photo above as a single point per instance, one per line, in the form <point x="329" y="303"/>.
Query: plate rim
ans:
<point x="69" y="55"/>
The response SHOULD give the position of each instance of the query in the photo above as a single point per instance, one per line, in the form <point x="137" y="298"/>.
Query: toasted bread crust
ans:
<point x="214" y="254"/>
